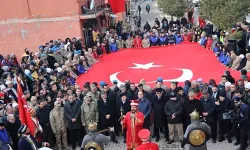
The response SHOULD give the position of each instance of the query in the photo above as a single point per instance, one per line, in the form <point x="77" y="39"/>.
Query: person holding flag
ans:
<point x="133" y="122"/>
<point x="23" y="109"/>
<point x="28" y="141"/>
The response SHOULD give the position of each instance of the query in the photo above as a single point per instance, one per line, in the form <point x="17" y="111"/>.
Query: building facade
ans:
<point x="30" y="23"/>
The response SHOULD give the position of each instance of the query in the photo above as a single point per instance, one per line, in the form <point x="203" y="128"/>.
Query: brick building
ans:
<point x="30" y="23"/>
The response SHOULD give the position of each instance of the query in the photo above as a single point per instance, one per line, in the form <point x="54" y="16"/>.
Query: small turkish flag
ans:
<point x="202" y="23"/>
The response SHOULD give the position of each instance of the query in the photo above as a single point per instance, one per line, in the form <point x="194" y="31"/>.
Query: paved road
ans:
<point x="175" y="146"/>
<point x="154" y="13"/>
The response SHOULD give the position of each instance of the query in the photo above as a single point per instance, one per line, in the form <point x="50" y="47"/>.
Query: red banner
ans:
<point x="24" y="110"/>
<point x="117" y="6"/>
<point x="202" y="23"/>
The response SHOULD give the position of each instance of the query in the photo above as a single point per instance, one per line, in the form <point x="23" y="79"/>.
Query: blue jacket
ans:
<point x="153" y="39"/>
<point x="145" y="107"/>
<point x="222" y="56"/>
<point x="24" y="144"/>
<point x="244" y="115"/>
<point x="203" y="41"/>
<point x="178" y="39"/>
<point x="80" y="69"/>
<point x="216" y="49"/>
<point x="113" y="47"/>
<point x="226" y="60"/>
<point x="55" y="48"/>
<point x="163" y="40"/>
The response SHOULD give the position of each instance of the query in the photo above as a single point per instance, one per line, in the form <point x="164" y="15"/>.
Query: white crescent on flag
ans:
<point x="187" y="74"/>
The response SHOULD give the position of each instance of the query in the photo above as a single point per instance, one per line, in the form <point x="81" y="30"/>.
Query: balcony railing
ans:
<point x="88" y="13"/>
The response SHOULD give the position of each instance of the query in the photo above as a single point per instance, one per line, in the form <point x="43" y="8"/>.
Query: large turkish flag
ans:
<point x="187" y="61"/>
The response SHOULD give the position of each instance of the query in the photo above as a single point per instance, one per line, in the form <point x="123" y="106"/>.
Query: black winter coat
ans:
<point x="105" y="109"/>
<point x="209" y="107"/>
<point x="174" y="107"/>
<point x="191" y="105"/>
<point x="224" y="106"/>
<point x="73" y="110"/>
<point x="158" y="106"/>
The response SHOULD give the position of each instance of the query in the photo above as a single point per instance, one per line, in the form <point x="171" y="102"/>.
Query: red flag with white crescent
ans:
<point x="117" y="5"/>
<point x="24" y="110"/>
<point x="202" y="22"/>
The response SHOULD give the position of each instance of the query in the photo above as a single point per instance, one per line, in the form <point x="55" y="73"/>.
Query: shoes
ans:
<point x="170" y="141"/>
<point x="237" y="143"/>
<point x="162" y="130"/>
<point x="221" y="139"/>
<point x="124" y="141"/>
<point x="167" y="139"/>
<point x="213" y="140"/>
<point x="153" y="136"/>
<point x="157" y="139"/>
<point x="229" y="140"/>
<point x="241" y="148"/>
<point x="115" y="141"/>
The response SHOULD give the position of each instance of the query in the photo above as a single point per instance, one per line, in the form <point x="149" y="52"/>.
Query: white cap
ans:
<point x="200" y="80"/>
<point x="48" y="70"/>
<point x="27" y="72"/>
<point x="7" y="82"/>
<point x="215" y="36"/>
<point x="14" y="105"/>
<point x="228" y="84"/>
<point x="2" y="87"/>
<point x="59" y="69"/>
<point x="44" y="148"/>
<point x="242" y="56"/>
<point x="5" y="68"/>
<point x="247" y="85"/>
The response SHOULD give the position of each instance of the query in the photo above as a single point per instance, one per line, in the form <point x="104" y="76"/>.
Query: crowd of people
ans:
<point x="61" y="109"/>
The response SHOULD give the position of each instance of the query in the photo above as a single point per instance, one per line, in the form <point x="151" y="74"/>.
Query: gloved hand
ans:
<point x="111" y="129"/>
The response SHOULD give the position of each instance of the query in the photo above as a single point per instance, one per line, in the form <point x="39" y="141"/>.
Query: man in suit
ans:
<point x="72" y="112"/>
<point x="145" y="108"/>
<point x="158" y="103"/>
<point x="215" y="92"/>
<point x="209" y="113"/>
<point x="122" y="106"/>
<point x="106" y="113"/>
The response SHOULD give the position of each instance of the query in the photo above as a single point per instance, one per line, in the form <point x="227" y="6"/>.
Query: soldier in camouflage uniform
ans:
<point x="96" y="94"/>
<point x="58" y="125"/>
<point x="89" y="111"/>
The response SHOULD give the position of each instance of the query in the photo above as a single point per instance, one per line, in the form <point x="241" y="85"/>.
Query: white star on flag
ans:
<point x="145" y="66"/>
